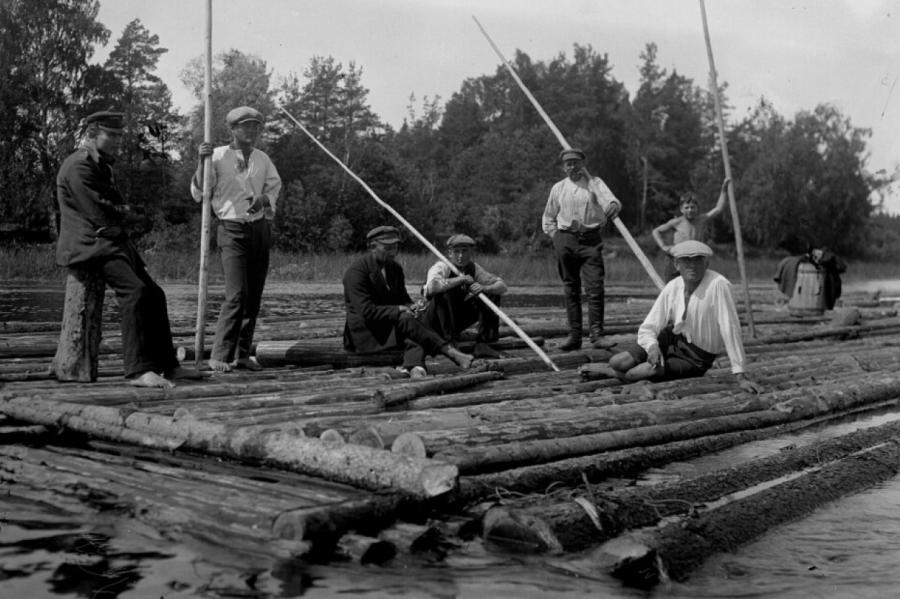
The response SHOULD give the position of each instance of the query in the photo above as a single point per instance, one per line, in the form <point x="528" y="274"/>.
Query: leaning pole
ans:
<point x="735" y="218"/>
<point x="203" y="278"/>
<point x="638" y="252"/>
<point x="481" y="296"/>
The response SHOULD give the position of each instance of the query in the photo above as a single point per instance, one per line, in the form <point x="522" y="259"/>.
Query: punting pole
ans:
<point x="205" y="219"/>
<point x="487" y="301"/>
<point x="732" y="203"/>
<point x="638" y="252"/>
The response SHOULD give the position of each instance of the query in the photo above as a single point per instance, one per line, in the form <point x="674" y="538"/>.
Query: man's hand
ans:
<point x="725" y="184"/>
<point x="258" y="203"/>
<point x="404" y="309"/>
<point x="654" y="357"/>
<point x="747" y="384"/>
<point x="464" y="280"/>
<point x="205" y="149"/>
<point x="612" y="210"/>
<point x="475" y="288"/>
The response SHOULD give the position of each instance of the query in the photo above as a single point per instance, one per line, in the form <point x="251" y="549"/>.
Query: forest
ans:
<point x="480" y="162"/>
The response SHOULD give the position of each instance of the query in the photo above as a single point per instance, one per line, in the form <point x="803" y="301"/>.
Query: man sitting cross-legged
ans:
<point x="453" y="305"/>
<point x="693" y="319"/>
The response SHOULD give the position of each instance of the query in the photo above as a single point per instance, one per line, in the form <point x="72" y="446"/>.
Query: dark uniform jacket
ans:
<point x="91" y="210"/>
<point x="372" y="305"/>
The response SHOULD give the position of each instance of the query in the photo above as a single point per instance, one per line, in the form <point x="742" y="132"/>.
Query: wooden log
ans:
<point x="572" y="527"/>
<point x="79" y="338"/>
<point x="625" y="463"/>
<point x="367" y="437"/>
<point x="777" y="408"/>
<point x="409" y="444"/>
<point x="680" y="547"/>
<point x="350" y="464"/>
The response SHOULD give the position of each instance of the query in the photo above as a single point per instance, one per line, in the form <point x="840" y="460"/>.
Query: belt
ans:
<point x="585" y="234"/>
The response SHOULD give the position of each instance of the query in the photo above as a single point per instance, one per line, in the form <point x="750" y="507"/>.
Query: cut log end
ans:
<point x="332" y="438"/>
<point x="409" y="444"/>
<point x="367" y="437"/>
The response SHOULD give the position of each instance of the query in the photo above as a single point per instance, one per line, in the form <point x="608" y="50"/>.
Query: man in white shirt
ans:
<point x="245" y="188"/>
<point x="452" y="303"/>
<point x="578" y="208"/>
<point x="693" y="320"/>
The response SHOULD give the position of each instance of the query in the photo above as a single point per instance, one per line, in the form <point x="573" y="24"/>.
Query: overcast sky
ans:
<point x="796" y="54"/>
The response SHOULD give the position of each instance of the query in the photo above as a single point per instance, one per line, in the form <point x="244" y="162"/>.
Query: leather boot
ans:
<point x="572" y="342"/>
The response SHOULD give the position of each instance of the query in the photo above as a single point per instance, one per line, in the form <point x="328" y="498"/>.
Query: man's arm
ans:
<point x="205" y="149"/>
<point x="551" y="211"/>
<point x="359" y="294"/>
<point x="486" y="282"/>
<point x="663" y="228"/>
<point x="268" y="198"/>
<point x="606" y="199"/>
<point x="730" y="328"/>
<point x="720" y="204"/>
<point x="438" y="280"/>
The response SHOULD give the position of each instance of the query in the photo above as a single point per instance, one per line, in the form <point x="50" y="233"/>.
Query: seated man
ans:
<point x="693" y="319"/>
<point x="379" y="314"/>
<point x="452" y="302"/>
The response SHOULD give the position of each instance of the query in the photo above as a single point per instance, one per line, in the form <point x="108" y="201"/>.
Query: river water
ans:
<point x="847" y="549"/>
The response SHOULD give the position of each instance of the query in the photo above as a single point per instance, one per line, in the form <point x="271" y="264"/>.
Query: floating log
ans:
<point x="350" y="464"/>
<point x="79" y="339"/>
<point x="679" y="548"/>
<point x="573" y="527"/>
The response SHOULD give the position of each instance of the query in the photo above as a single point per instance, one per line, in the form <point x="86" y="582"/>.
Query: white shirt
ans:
<point x="437" y="280"/>
<point x="712" y="322"/>
<point x="577" y="205"/>
<point x="234" y="181"/>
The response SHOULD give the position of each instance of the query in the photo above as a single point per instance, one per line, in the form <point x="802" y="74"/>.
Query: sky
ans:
<point x="795" y="54"/>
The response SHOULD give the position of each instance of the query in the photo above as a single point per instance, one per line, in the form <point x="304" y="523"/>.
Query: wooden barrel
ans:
<point x="808" y="297"/>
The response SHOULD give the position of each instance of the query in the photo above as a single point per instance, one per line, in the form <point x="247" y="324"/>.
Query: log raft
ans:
<point x="323" y="446"/>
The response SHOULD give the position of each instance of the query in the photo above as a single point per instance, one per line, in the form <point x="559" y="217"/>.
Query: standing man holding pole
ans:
<point x="245" y="187"/>
<point x="578" y="208"/>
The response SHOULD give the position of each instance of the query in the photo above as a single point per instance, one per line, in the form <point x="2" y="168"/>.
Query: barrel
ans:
<point x="808" y="297"/>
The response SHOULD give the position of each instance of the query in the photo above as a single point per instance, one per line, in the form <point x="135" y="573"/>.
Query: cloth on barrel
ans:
<point x="828" y="263"/>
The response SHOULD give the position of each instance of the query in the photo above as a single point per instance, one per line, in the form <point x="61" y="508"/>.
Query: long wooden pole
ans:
<point x="735" y="218"/>
<point x="638" y="252"/>
<point x="481" y="296"/>
<point x="206" y="216"/>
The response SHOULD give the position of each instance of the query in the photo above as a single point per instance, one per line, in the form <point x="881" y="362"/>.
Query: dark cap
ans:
<point x="384" y="234"/>
<point x="242" y="114"/>
<point x="460" y="240"/>
<point x="571" y="154"/>
<point x="106" y="119"/>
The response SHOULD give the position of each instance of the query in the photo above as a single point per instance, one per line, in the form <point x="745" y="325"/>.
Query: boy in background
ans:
<point x="690" y="226"/>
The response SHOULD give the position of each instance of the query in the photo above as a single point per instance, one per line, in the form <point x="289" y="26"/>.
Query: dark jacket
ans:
<point x="91" y="210"/>
<point x="372" y="305"/>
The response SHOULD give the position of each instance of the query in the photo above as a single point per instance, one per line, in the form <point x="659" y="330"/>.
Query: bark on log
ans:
<point x="350" y="464"/>
<point x="679" y="548"/>
<point x="573" y="529"/>
<point x="78" y="350"/>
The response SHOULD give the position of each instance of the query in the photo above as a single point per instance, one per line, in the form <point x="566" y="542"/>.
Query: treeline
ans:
<point x="481" y="162"/>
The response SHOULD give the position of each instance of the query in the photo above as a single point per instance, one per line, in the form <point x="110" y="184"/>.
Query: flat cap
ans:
<point x="242" y="114"/>
<point x="571" y="154"/>
<point x="460" y="239"/>
<point x="691" y="248"/>
<point x="384" y="234"/>
<point x="107" y="119"/>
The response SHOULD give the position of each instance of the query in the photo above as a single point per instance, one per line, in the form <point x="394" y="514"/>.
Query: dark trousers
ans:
<point x="450" y="313"/>
<point x="681" y="359"/>
<point x="579" y="258"/>
<point x="418" y="340"/>
<point x="244" y="249"/>
<point x="146" y="334"/>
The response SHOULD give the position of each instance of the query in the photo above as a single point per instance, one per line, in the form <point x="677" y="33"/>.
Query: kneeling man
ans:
<point x="379" y="312"/>
<point x="452" y="303"/>
<point x="693" y="319"/>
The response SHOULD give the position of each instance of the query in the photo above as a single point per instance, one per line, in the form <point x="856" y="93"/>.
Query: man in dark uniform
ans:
<point x="92" y="236"/>
<point x="379" y="313"/>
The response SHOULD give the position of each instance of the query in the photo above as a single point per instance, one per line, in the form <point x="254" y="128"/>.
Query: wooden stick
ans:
<point x="735" y="218"/>
<point x="638" y="252"/>
<point x="483" y="297"/>
<point x="206" y="217"/>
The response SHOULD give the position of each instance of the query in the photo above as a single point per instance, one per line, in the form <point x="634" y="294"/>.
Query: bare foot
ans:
<point x="462" y="360"/>
<point x="219" y="366"/>
<point x="246" y="364"/>
<point x="151" y="379"/>
<point x="180" y="372"/>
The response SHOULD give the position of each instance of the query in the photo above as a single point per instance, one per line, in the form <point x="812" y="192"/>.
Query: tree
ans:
<point x="45" y="79"/>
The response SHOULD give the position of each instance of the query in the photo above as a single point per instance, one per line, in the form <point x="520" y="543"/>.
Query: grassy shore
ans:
<point x="36" y="262"/>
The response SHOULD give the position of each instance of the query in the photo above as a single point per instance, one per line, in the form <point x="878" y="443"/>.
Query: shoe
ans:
<point x="418" y="372"/>
<point x="601" y="342"/>
<point x="483" y="350"/>
<point x="572" y="342"/>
